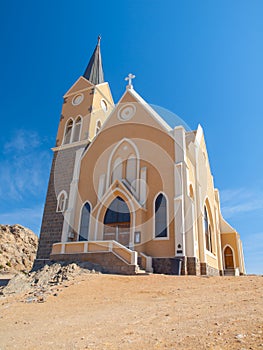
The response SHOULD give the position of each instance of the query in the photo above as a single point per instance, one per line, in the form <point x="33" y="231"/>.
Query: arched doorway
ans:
<point x="228" y="257"/>
<point x="117" y="222"/>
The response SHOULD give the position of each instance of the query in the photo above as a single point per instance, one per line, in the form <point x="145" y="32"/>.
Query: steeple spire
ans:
<point x="94" y="71"/>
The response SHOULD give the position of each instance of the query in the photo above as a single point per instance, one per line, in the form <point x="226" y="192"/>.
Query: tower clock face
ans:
<point x="77" y="99"/>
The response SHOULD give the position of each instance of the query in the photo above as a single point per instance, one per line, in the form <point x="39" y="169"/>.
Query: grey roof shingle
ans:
<point x="94" y="71"/>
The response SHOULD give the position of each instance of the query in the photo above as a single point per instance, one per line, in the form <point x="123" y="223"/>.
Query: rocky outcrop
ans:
<point x="37" y="285"/>
<point x="18" y="247"/>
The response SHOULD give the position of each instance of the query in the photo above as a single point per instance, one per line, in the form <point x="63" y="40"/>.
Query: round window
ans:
<point x="126" y="112"/>
<point x="77" y="99"/>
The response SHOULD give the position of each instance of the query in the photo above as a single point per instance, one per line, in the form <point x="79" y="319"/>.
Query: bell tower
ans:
<point x="86" y="106"/>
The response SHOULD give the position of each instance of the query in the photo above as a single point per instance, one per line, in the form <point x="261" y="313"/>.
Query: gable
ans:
<point x="132" y="109"/>
<point x="80" y="85"/>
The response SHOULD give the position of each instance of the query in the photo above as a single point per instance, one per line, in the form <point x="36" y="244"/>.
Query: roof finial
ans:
<point x="129" y="78"/>
<point x="99" y="39"/>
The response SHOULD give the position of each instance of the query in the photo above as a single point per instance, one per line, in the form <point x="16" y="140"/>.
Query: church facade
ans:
<point x="127" y="190"/>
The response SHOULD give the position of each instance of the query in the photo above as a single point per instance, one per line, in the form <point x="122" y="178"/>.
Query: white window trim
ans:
<point x="80" y="215"/>
<point x="212" y="225"/>
<point x="58" y="210"/>
<point x="65" y="130"/>
<point x="74" y="125"/>
<point x="96" y="126"/>
<point x="73" y="130"/>
<point x="133" y="145"/>
<point x="167" y="218"/>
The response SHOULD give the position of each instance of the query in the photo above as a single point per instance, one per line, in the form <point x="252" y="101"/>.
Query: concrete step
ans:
<point x="141" y="272"/>
<point x="229" y="272"/>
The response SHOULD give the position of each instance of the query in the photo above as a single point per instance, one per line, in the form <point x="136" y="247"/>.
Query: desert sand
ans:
<point x="96" y="311"/>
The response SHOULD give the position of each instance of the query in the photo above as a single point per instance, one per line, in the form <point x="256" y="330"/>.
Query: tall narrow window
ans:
<point x="68" y="131"/>
<point x="206" y="230"/>
<point x="77" y="129"/>
<point x="61" y="202"/>
<point x="117" y="170"/>
<point x="98" y="126"/>
<point x="131" y="170"/>
<point x="210" y="238"/>
<point x="84" y="223"/>
<point x="160" y="216"/>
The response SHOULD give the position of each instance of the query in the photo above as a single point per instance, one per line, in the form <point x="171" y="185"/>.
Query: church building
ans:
<point x="131" y="189"/>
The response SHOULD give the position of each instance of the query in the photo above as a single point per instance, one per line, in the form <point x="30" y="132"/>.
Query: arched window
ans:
<point x="208" y="231"/>
<point x="77" y="129"/>
<point x="117" y="170"/>
<point x="61" y="202"/>
<point x="160" y="208"/>
<point x="124" y="165"/>
<point x="68" y="132"/>
<point x="210" y="238"/>
<point x="84" y="223"/>
<point x="98" y="126"/>
<point x="117" y="213"/>
<point x="131" y="169"/>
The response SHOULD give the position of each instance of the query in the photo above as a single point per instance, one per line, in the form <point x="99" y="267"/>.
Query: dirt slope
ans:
<point x="95" y="311"/>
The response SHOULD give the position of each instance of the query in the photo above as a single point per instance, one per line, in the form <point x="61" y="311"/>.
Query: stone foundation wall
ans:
<point x="193" y="266"/>
<point x="168" y="266"/>
<point x="189" y="266"/>
<point x="109" y="262"/>
<point x="60" y="178"/>
<point x="207" y="270"/>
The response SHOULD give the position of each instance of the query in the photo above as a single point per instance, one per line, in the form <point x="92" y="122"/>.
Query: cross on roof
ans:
<point x="129" y="78"/>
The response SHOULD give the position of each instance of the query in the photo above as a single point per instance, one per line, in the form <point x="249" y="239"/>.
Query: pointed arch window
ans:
<point x="84" y="222"/>
<point x="124" y="165"/>
<point x="117" y="213"/>
<point x="68" y="132"/>
<point x="131" y="169"/>
<point x="77" y="128"/>
<point x="117" y="170"/>
<point x="208" y="231"/>
<point x="98" y="126"/>
<point x="61" y="202"/>
<point x="160" y="209"/>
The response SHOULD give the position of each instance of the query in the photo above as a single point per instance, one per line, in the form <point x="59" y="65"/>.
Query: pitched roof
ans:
<point x="94" y="71"/>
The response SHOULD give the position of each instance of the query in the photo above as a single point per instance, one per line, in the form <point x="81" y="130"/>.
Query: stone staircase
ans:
<point x="110" y="255"/>
<point x="231" y="272"/>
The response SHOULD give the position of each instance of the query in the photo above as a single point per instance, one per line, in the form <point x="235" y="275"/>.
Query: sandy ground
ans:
<point x="139" y="312"/>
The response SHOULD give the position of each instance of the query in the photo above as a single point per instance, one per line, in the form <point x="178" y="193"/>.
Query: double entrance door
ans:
<point x="119" y="233"/>
<point x="117" y="222"/>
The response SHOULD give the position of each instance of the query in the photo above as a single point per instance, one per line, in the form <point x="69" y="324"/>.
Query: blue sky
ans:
<point x="202" y="60"/>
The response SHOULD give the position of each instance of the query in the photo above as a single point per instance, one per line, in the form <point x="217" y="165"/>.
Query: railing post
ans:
<point x="134" y="258"/>
<point x="110" y="246"/>
<point x="62" y="248"/>
<point x="85" y="247"/>
<point x="149" y="264"/>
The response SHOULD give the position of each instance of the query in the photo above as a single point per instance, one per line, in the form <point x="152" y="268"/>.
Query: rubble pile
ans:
<point x="36" y="286"/>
